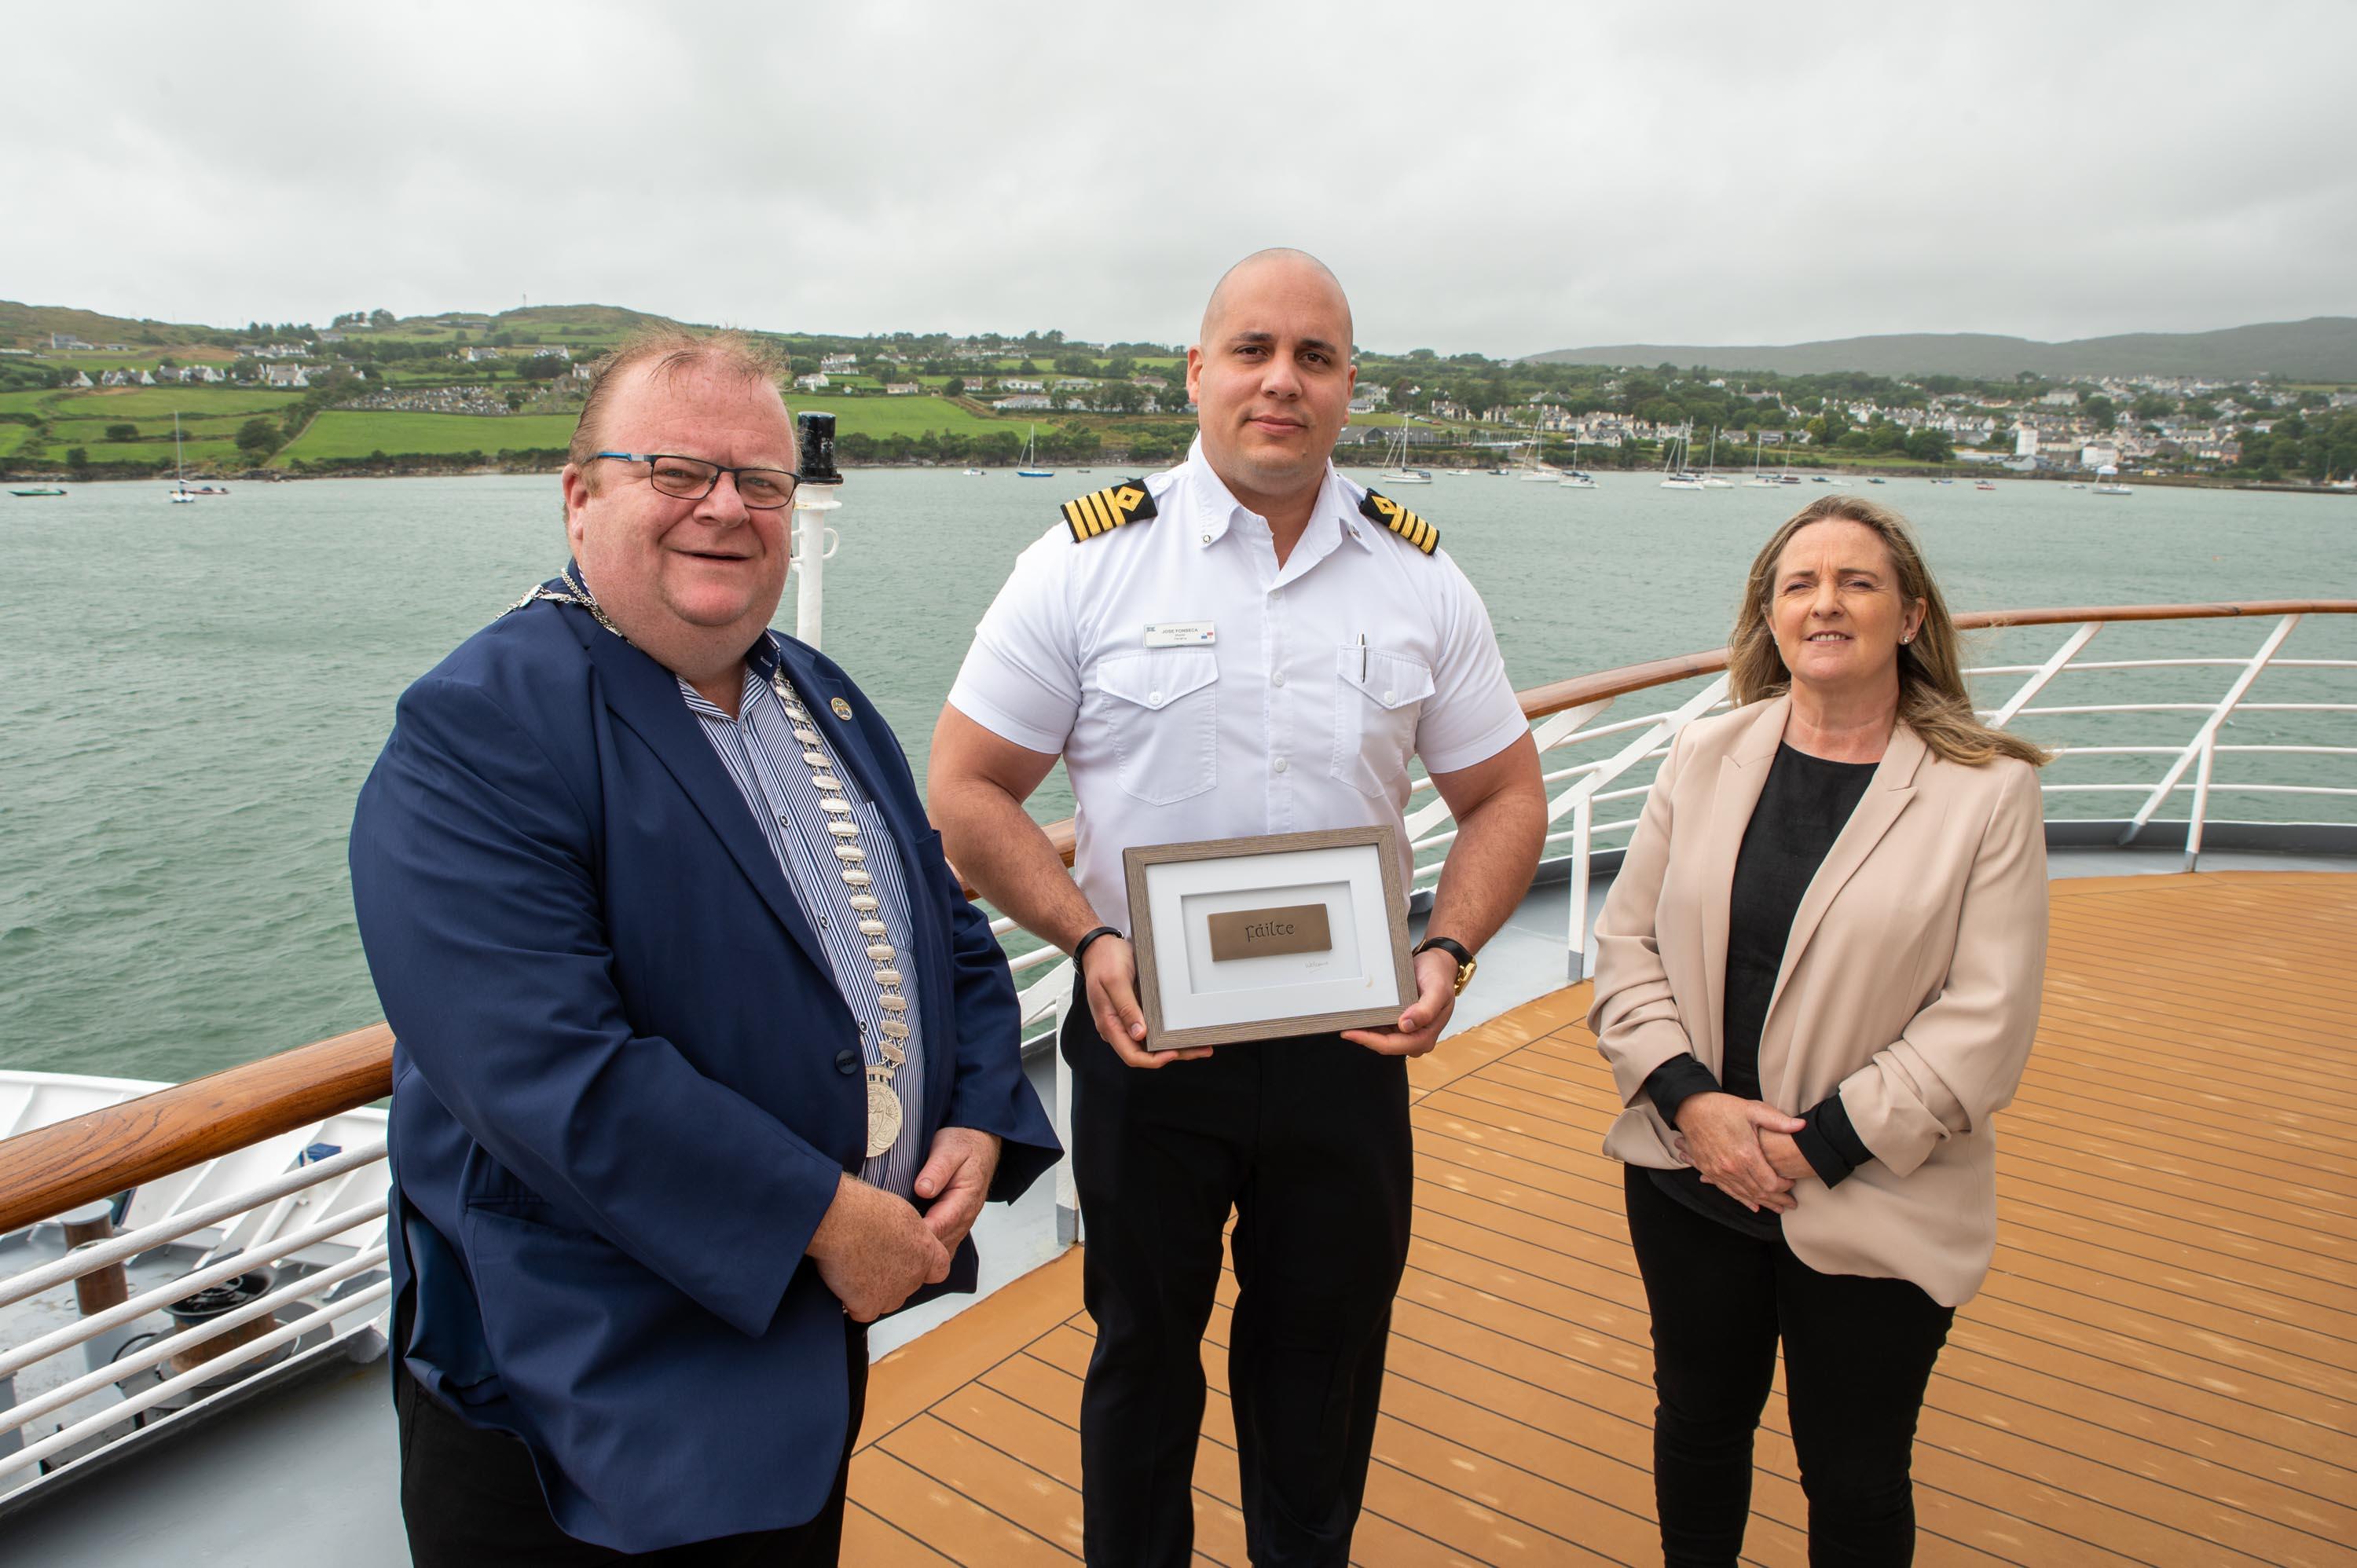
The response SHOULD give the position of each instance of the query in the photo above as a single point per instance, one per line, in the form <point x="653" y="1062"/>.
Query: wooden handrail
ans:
<point x="67" y="1163"/>
<point x="54" y="1169"/>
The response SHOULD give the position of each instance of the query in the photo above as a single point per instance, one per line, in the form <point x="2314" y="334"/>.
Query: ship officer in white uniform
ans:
<point x="1247" y="644"/>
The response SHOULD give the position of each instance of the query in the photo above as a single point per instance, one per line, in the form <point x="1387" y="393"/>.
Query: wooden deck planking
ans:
<point x="2161" y="1370"/>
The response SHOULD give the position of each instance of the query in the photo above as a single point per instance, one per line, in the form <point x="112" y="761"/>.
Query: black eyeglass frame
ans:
<point x="792" y="481"/>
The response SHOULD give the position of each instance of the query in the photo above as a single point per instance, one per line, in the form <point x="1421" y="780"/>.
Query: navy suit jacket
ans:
<point x="625" y="1084"/>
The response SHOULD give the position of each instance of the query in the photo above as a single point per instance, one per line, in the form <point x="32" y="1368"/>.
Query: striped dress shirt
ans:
<point x="760" y="753"/>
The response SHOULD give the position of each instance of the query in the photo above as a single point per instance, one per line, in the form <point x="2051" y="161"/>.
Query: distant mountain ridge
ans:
<point x="29" y="325"/>
<point x="2321" y="349"/>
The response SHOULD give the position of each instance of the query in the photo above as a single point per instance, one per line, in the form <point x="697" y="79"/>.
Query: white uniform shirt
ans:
<point x="1281" y="723"/>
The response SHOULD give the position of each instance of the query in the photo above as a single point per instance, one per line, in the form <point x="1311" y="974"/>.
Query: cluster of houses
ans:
<point x="190" y="374"/>
<point x="819" y="381"/>
<point x="435" y="400"/>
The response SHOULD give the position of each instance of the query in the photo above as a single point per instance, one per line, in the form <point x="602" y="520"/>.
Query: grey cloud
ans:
<point x="1505" y="178"/>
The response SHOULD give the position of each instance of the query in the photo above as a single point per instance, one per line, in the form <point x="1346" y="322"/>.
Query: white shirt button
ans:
<point x="1154" y="697"/>
<point x="1388" y="699"/>
<point x="1277" y="678"/>
<point x="1281" y="765"/>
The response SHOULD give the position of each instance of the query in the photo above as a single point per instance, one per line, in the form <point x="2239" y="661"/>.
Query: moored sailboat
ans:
<point x="179" y="490"/>
<point x="1028" y="468"/>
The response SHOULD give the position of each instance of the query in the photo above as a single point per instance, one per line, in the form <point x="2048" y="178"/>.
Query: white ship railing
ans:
<point x="331" y="1208"/>
<point x="1580" y="789"/>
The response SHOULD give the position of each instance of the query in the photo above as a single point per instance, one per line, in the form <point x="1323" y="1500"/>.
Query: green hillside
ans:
<point x="29" y="325"/>
<point x="2323" y="348"/>
<point x="341" y="435"/>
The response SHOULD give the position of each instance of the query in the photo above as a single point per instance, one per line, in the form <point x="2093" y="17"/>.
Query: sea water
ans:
<point x="191" y="695"/>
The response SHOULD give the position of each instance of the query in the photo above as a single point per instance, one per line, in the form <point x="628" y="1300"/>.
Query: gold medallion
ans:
<point x="883" y="1119"/>
<point x="842" y="709"/>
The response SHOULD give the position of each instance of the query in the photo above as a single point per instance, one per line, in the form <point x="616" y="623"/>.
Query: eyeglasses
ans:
<point x="692" y="478"/>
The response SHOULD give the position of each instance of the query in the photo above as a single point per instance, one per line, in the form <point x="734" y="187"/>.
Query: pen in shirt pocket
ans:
<point x="1362" y="656"/>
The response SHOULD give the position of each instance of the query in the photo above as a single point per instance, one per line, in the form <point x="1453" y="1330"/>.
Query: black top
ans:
<point x="1802" y="807"/>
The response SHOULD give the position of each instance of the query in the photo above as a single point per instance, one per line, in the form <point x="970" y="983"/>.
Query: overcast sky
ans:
<point x="1506" y="178"/>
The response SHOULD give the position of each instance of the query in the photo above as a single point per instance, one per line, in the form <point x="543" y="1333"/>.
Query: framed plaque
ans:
<point x="1257" y="937"/>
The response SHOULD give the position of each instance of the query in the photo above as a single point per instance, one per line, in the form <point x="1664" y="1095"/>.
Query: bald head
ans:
<point x="1283" y="267"/>
<point x="1271" y="381"/>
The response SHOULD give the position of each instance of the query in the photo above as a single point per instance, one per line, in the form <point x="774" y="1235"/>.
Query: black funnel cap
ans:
<point x="814" y="433"/>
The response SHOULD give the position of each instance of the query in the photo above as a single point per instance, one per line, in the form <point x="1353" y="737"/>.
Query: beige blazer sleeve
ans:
<point x="1635" y="1013"/>
<point x="1962" y="1056"/>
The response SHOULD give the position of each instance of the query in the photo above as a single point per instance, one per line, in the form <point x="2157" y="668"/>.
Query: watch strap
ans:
<point x="1448" y="945"/>
<point x="1081" y="948"/>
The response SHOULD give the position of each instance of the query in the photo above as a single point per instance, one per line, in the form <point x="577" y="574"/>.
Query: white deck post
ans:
<point x="2045" y="672"/>
<point x="2208" y="734"/>
<point x="813" y="542"/>
<point x="1576" y="958"/>
<point x="2201" y="800"/>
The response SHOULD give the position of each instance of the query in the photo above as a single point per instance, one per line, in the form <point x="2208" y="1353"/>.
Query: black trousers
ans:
<point x="470" y="1498"/>
<point x="1857" y="1355"/>
<point x="1306" y="1140"/>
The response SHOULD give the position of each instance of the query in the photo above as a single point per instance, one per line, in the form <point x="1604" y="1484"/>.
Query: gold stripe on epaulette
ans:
<point x="1383" y="509"/>
<point x="1102" y="511"/>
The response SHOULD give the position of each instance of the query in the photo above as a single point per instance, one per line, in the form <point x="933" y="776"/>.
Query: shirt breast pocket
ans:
<point x="1378" y="697"/>
<point x="1163" y="711"/>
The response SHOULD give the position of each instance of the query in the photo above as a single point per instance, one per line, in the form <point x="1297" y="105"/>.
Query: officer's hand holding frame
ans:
<point x="1255" y="939"/>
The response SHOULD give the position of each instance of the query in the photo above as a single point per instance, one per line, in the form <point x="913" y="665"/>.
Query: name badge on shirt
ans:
<point x="1180" y="634"/>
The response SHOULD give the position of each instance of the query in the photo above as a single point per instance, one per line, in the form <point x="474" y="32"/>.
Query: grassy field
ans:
<point x="146" y="403"/>
<point x="12" y="436"/>
<point x="341" y="435"/>
<point x="881" y="417"/>
<point x="219" y="453"/>
<point x="88" y="430"/>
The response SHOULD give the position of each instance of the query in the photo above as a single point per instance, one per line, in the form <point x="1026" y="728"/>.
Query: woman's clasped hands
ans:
<point x="1743" y="1147"/>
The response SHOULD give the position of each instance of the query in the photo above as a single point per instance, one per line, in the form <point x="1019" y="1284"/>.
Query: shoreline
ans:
<point x="1120" y="468"/>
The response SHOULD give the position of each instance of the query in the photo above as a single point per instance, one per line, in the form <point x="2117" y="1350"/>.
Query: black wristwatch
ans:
<point x="1081" y="947"/>
<point x="1456" y="949"/>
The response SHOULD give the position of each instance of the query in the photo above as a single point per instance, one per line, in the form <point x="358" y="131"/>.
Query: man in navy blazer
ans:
<point x="641" y="1223"/>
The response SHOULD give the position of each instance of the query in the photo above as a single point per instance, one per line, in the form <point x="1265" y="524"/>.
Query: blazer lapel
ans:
<point x="1887" y="795"/>
<point x="645" y="697"/>
<point x="1742" y="774"/>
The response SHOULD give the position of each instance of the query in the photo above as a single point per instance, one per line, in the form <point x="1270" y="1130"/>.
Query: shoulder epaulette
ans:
<point x="1102" y="511"/>
<point x="1400" y="520"/>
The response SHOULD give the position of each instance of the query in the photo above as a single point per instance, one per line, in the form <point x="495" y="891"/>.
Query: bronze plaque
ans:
<point x="1259" y="933"/>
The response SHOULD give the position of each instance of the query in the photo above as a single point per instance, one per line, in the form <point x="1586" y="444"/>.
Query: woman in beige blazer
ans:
<point x="1817" y="976"/>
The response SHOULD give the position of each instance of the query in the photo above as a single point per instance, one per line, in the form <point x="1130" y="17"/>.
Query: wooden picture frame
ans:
<point x="1171" y="950"/>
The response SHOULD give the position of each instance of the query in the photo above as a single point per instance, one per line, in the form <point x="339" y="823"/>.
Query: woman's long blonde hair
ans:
<point x="1933" y="700"/>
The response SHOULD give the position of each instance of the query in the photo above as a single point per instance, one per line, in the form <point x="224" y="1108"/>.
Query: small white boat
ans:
<point x="1533" y="469"/>
<point x="976" y="472"/>
<point x="1396" y="470"/>
<point x="180" y="493"/>
<point x="1577" y="477"/>
<point x="1028" y="468"/>
<point x="1675" y="475"/>
<point x="1710" y="481"/>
